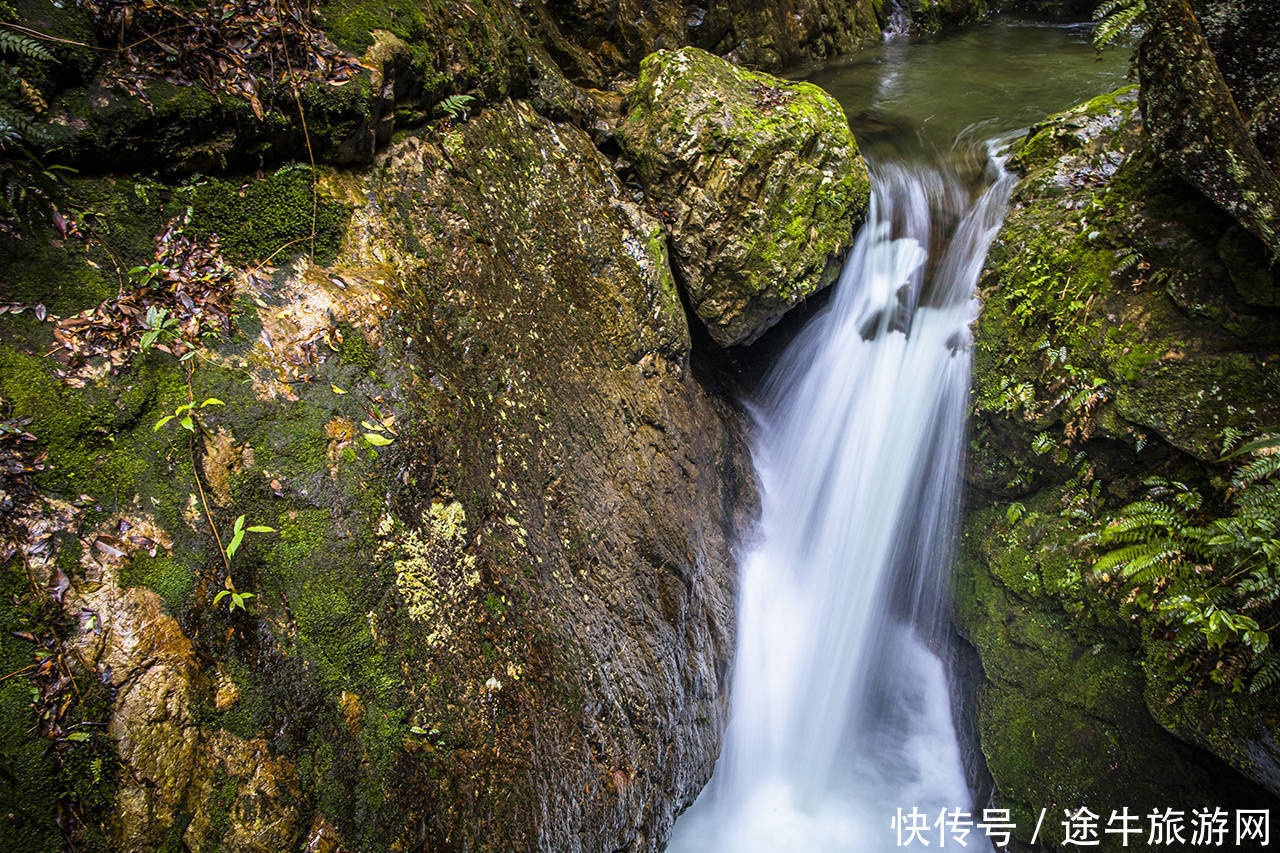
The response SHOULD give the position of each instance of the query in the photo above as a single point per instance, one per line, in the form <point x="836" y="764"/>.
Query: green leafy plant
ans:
<point x="184" y="412"/>
<point x="235" y="600"/>
<point x="455" y="106"/>
<point x="381" y="431"/>
<point x="238" y="531"/>
<point x="1119" y="20"/>
<point x="1211" y="576"/>
<point x="157" y="322"/>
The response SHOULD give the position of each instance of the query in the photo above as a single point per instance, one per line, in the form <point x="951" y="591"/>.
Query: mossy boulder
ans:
<point x="1111" y="347"/>
<point x="760" y="178"/>
<point x="495" y="611"/>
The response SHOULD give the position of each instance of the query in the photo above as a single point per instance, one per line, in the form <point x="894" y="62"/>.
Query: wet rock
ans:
<point x="931" y="16"/>
<point x="755" y="32"/>
<point x="759" y="179"/>
<point x="1111" y="347"/>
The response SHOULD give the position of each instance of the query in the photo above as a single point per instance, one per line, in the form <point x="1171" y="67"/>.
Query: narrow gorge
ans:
<point x="598" y="426"/>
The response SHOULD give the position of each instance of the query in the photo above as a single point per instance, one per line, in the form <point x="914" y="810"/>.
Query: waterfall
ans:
<point x="841" y="709"/>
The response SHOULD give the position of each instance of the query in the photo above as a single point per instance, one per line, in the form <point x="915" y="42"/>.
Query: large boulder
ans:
<point x="1210" y="82"/>
<point x="760" y="179"/>
<point x="1125" y="324"/>
<point x="496" y="612"/>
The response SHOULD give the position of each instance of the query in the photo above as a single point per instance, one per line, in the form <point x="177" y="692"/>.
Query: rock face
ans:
<point x="1209" y="95"/>
<point x="755" y="32"/>
<point x="1125" y="324"/>
<point x="497" y="608"/>
<point x="761" y="180"/>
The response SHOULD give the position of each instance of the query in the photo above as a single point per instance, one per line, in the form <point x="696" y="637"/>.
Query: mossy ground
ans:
<point x="321" y="577"/>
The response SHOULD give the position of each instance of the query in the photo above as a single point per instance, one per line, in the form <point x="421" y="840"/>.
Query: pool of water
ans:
<point x="920" y="96"/>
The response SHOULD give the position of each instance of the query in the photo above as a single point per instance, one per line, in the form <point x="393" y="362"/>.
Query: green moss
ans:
<point x="690" y="102"/>
<point x="169" y="576"/>
<point x="69" y="274"/>
<point x="1061" y="712"/>
<point x="355" y="348"/>
<point x="180" y="127"/>
<point x="270" y="217"/>
<point x="329" y="588"/>
<point x="95" y="437"/>
<point x="351" y="24"/>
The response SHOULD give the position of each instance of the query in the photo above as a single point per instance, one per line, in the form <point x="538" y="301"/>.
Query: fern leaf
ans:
<point x="24" y="46"/>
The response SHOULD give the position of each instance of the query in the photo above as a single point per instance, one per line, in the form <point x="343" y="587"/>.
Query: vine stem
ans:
<point x="195" y="472"/>
<point x="306" y="135"/>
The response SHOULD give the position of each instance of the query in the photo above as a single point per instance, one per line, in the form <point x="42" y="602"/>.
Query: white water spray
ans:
<point x="840" y="708"/>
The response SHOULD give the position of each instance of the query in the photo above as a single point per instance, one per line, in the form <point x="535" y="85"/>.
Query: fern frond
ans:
<point x="1118" y="19"/>
<point x="17" y="128"/>
<point x="1267" y="672"/>
<point x="17" y="44"/>
<point x="1264" y="443"/>
<point x="1138" y="557"/>
<point x="1259" y="469"/>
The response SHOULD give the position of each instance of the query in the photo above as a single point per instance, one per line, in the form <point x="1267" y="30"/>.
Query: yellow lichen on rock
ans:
<point x="436" y="572"/>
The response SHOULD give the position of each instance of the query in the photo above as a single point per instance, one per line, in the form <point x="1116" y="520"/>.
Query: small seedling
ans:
<point x="238" y="532"/>
<point x="236" y="599"/>
<point x="184" y="412"/>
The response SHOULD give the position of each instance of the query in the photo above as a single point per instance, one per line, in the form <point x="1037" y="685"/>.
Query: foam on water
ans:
<point x="841" y="711"/>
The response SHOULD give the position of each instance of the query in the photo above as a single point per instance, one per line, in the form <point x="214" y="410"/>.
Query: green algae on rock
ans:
<point x="760" y="179"/>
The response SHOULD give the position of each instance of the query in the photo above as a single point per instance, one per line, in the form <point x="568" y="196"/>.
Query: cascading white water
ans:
<point x="840" y="708"/>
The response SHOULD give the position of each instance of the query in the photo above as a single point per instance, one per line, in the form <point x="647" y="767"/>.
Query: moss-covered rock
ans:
<point x="495" y="610"/>
<point x="1107" y="350"/>
<point x="761" y="181"/>
<point x="267" y="218"/>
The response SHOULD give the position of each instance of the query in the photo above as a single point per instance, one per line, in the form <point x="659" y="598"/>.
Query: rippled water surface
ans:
<point x="983" y="81"/>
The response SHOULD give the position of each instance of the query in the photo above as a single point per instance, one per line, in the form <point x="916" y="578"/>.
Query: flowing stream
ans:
<point x="841" y="707"/>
